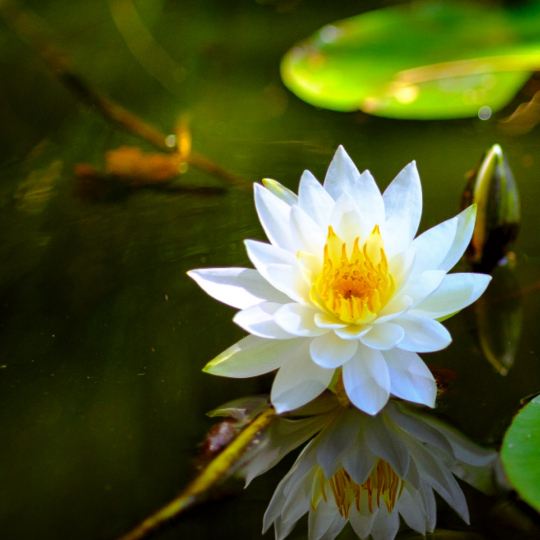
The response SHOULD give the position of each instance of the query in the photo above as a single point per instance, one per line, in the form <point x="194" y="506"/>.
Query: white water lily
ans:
<point x="372" y="470"/>
<point x="344" y="285"/>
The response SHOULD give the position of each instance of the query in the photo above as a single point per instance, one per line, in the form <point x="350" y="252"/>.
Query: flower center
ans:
<point x="353" y="287"/>
<point x="383" y="484"/>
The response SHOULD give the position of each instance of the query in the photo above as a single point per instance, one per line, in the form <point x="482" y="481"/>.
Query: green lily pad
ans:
<point x="422" y="61"/>
<point x="520" y="453"/>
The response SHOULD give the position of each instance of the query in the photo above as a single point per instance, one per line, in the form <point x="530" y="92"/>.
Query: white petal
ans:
<point x="335" y="528"/>
<point x="280" y="191"/>
<point x="298" y="320"/>
<point x="433" y="245"/>
<point x="361" y="523"/>
<point x="413" y="515"/>
<point x="299" y="380"/>
<point x="465" y="228"/>
<point x="314" y="200"/>
<point x="238" y="287"/>
<point x="281" y="437"/>
<point x="422" y="334"/>
<point x="395" y="234"/>
<point x="259" y="321"/>
<point x="321" y="519"/>
<point x="400" y="266"/>
<point x="385" y="526"/>
<point x="397" y="306"/>
<point x="410" y="378"/>
<point x="366" y="380"/>
<point x="342" y="174"/>
<point x="403" y="200"/>
<point x="330" y="351"/>
<point x="386" y="443"/>
<point x="262" y="254"/>
<point x="419" y="429"/>
<point x="335" y="440"/>
<point x="323" y="320"/>
<point x="252" y="356"/>
<point x="359" y="460"/>
<point x="347" y="221"/>
<point x="456" y="292"/>
<point x="289" y="280"/>
<point x="368" y="198"/>
<point x="306" y="234"/>
<point x="353" y="331"/>
<point x="420" y="286"/>
<point x="274" y="217"/>
<point x="383" y="336"/>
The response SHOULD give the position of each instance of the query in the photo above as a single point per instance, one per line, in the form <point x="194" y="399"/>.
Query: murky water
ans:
<point x="103" y="336"/>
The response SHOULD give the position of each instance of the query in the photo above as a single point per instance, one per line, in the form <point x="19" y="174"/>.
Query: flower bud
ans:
<point x="491" y="186"/>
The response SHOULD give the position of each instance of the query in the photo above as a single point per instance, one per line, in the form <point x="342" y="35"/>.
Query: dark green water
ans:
<point x="103" y="336"/>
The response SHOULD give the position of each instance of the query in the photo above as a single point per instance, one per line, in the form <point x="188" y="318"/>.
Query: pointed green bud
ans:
<point x="491" y="186"/>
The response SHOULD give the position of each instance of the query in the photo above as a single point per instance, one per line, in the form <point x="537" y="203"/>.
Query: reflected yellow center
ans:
<point x="354" y="287"/>
<point x="382" y="485"/>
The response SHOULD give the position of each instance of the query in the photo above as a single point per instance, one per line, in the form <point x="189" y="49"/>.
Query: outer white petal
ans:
<point x="280" y="191"/>
<point x="306" y="234"/>
<point x="385" y="442"/>
<point x="395" y="234"/>
<point x="433" y="245"/>
<point x="298" y="320"/>
<point x="361" y="523"/>
<point x="403" y="199"/>
<point x="238" y="287"/>
<point x="274" y="217"/>
<point x="299" y="380"/>
<point x="342" y="174"/>
<point x="410" y="378"/>
<point x="347" y="221"/>
<point x="456" y="292"/>
<point x="259" y="321"/>
<point x="330" y="351"/>
<point x="366" y="380"/>
<point x="422" y="334"/>
<point x="320" y="521"/>
<point x="314" y="200"/>
<point x="465" y="228"/>
<point x="383" y="336"/>
<point x="400" y="266"/>
<point x="252" y="356"/>
<point x="262" y="255"/>
<point x="385" y="525"/>
<point x="334" y="441"/>
<point x="413" y="514"/>
<point x="359" y="460"/>
<point x="420" y="286"/>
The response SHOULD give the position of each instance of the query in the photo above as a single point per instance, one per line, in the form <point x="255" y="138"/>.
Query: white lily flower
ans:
<point x="370" y="470"/>
<point x="344" y="285"/>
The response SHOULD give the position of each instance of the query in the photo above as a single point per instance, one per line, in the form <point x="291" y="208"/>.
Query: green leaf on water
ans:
<point x="422" y="60"/>
<point x="520" y="453"/>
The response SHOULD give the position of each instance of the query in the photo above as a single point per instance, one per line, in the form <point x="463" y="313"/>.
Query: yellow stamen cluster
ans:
<point x="353" y="287"/>
<point x="383" y="484"/>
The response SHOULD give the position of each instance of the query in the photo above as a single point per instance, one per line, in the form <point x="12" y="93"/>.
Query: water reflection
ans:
<point x="366" y="470"/>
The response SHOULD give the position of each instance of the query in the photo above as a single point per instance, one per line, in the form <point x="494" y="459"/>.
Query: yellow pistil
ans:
<point x="354" y="287"/>
<point x="383" y="484"/>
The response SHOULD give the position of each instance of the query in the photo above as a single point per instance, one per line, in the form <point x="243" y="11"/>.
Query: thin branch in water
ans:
<point x="215" y="471"/>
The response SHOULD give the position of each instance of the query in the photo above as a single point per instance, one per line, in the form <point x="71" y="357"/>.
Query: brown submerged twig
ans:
<point x="211" y="474"/>
<point x="32" y="29"/>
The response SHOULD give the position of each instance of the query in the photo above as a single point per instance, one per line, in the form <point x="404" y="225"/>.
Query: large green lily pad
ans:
<point x="422" y="60"/>
<point x="521" y="453"/>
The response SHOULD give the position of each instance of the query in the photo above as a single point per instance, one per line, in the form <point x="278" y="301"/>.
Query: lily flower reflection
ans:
<point x="367" y="470"/>
<point x="344" y="287"/>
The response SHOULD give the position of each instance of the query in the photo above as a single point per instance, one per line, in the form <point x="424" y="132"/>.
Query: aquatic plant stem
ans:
<point x="29" y="27"/>
<point x="213" y="472"/>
